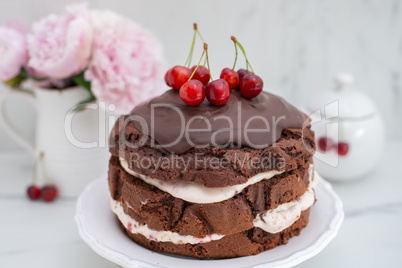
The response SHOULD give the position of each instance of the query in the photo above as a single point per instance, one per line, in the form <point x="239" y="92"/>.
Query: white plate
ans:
<point x="99" y="228"/>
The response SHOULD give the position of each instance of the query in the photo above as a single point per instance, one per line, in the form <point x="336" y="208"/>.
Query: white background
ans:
<point x="296" y="46"/>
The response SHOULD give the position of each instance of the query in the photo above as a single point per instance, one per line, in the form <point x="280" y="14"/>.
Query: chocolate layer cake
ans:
<point x="212" y="181"/>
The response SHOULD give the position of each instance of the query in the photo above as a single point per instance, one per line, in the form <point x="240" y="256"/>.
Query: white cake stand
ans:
<point x="99" y="228"/>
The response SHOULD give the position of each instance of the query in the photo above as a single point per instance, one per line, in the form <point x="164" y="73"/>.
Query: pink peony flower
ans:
<point x="60" y="45"/>
<point x="17" y="24"/>
<point x="13" y="51"/>
<point x="127" y="62"/>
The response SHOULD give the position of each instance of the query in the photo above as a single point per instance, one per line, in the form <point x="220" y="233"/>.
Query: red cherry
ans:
<point x="231" y="77"/>
<point x="33" y="192"/>
<point x="343" y="148"/>
<point x="217" y="92"/>
<point x="177" y="76"/>
<point x="250" y="86"/>
<point x="243" y="72"/>
<point x="324" y="144"/>
<point x="202" y="74"/>
<point x="192" y="92"/>
<point x="49" y="193"/>
<point x="166" y="77"/>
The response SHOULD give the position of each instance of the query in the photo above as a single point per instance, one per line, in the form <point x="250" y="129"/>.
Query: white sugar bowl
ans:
<point x="349" y="131"/>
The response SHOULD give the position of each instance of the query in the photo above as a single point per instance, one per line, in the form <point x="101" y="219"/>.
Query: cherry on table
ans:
<point x="324" y="144"/>
<point x="217" y="92"/>
<point x="202" y="74"/>
<point x="231" y="77"/>
<point x="177" y="76"/>
<point x="33" y="192"/>
<point x="49" y="193"/>
<point x="192" y="92"/>
<point x="251" y="86"/>
<point x="343" y="148"/>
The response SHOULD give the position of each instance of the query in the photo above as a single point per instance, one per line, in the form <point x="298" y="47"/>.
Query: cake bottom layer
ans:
<point x="250" y="242"/>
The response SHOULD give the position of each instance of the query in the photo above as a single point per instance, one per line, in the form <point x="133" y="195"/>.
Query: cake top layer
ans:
<point x="178" y="127"/>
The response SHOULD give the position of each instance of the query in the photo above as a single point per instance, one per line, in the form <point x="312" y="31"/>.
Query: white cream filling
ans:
<point x="160" y="236"/>
<point x="272" y="221"/>
<point x="196" y="192"/>
<point x="280" y="218"/>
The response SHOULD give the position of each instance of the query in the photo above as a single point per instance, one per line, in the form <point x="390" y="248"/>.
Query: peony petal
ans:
<point x="60" y="45"/>
<point x="13" y="49"/>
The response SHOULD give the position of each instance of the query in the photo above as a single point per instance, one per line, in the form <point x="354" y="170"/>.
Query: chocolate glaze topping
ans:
<point x="178" y="127"/>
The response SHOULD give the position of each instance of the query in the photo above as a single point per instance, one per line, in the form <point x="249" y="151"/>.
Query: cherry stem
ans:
<point x="202" y="55"/>
<point x="35" y="171"/>
<point x="244" y="52"/>
<point x="44" y="171"/>
<point x="199" y="34"/>
<point x="206" y="52"/>
<point x="235" y="45"/>
<point x="39" y="161"/>
<point x="190" y="55"/>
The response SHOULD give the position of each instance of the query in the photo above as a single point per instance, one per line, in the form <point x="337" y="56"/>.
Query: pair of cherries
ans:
<point x="326" y="144"/>
<point x="48" y="193"/>
<point x="249" y="84"/>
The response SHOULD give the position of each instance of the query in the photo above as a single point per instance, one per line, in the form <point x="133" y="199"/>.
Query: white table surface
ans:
<point x="36" y="234"/>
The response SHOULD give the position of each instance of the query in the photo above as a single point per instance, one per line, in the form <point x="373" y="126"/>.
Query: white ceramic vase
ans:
<point x="73" y="144"/>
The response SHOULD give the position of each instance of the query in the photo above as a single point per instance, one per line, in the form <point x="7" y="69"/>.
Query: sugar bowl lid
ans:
<point x="343" y="100"/>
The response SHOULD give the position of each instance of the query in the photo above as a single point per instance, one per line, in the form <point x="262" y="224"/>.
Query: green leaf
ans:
<point x="13" y="82"/>
<point x="81" y="105"/>
<point x="79" y="79"/>
<point x="16" y="81"/>
<point x="24" y="74"/>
